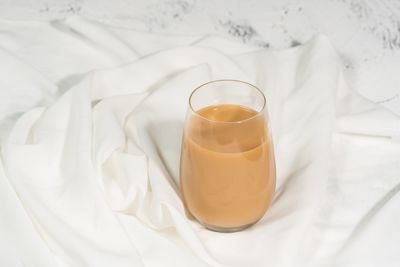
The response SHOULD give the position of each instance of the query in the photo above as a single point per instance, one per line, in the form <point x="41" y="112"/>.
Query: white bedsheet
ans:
<point x="90" y="127"/>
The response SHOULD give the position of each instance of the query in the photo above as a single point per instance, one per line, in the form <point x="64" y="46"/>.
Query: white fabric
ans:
<point x="91" y="120"/>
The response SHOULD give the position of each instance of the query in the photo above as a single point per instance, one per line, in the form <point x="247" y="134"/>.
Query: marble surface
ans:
<point x="365" y="33"/>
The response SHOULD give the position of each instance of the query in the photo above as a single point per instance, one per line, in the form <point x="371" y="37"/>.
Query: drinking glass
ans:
<point x="227" y="168"/>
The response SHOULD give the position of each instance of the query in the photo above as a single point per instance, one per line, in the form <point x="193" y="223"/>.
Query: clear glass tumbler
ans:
<point x="227" y="170"/>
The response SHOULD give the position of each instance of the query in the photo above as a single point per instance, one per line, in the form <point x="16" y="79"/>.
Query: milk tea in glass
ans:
<point x="227" y="170"/>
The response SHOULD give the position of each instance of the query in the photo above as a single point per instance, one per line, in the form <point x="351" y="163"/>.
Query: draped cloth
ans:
<point x="91" y="120"/>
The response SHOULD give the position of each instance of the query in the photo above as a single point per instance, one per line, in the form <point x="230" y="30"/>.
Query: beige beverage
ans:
<point x="227" y="170"/>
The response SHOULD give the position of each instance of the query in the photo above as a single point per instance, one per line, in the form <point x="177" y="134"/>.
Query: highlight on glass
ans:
<point x="227" y="168"/>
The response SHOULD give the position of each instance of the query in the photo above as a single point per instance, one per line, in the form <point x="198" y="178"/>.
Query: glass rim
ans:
<point x="261" y="111"/>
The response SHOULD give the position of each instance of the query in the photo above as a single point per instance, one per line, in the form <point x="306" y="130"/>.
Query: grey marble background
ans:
<point x="365" y="33"/>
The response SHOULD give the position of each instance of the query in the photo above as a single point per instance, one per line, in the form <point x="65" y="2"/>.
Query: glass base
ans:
<point x="226" y="229"/>
<point x="219" y="228"/>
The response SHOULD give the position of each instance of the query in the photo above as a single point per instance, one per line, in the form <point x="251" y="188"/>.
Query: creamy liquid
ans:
<point x="227" y="169"/>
